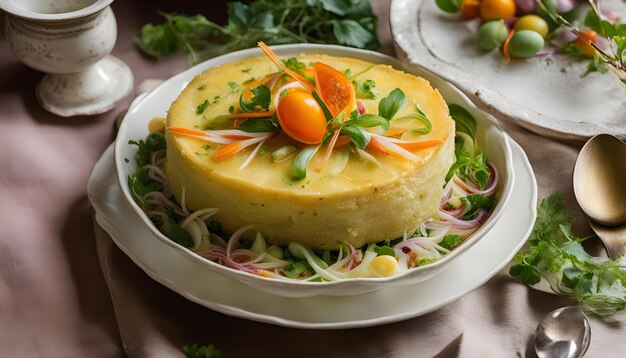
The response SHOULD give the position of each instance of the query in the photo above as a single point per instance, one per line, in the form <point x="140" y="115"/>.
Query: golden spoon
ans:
<point x="600" y="188"/>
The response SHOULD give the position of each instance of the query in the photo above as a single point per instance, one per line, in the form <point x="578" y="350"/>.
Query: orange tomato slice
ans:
<point x="334" y="88"/>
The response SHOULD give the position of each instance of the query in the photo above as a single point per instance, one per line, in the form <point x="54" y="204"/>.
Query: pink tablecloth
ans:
<point x="64" y="293"/>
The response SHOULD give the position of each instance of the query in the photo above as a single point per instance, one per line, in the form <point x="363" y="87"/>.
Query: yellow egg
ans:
<point x="156" y="125"/>
<point x="534" y="23"/>
<point x="384" y="266"/>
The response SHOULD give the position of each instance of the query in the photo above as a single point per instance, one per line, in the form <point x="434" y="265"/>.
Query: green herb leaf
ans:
<point x="262" y="97"/>
<point x="450" y="241"/>
<point x="295" y="269"/>
<point x="198" y="351"/>
<point x="364" y="89"/>
<point x="368" y="121"/>
<point x="473" y="203"/>
<point x="353" y="33"/>
<point x="527" y="274"/>
<point x="202" y="107"/>
<point x="300" y="162"/>
<point x="463" y="120"/>
<point x="178" y="234"/>
<point x="596" y="64"/>
<point x="384" y="250"/>
<point x="258" y="125"/>
<point x="426" y="261"/>
<point x="154" y="142"/>
<point x="358" y="135"/>
<point x="389" y="106"/>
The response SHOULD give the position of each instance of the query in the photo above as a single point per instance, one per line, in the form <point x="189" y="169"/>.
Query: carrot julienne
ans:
<point x="505" y="48"/>
<point x="272" y="56"/>
<point x="392" y="132"/>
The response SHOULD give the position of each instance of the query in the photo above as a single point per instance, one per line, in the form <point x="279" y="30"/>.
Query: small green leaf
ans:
<point x="426" y="261"/>
<point x="364" y="89"/>
<point x="473" y="203"/>
<point x="368" y="121"/>
<point x="420" y="116"/>
<point x="596" y="64"/>
<point x="358" y="135"/>
<point x="202" y="107"/>
<point x="385" y="250"/>
<point x="300" y="163"/>
<point x="352" y="33"/>
<point x="258" y="125"/>
<point x="463" y="120"/>
<point x="261" y="96"/>
<point x="527" y="274"/>
<point x="294" y="269"/>
<point x="178" y="234"/>
<point x="449" y="242"/>
<point x="389" y="106"/>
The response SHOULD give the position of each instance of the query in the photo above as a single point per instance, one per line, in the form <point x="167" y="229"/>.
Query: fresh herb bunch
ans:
<point x="615" y="56"/>
<point x="556" y="255"/>
<point x="345" y="22"/>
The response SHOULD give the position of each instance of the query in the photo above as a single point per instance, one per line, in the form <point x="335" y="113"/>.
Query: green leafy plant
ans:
<point x="556" y="255"/>
<point x="345" y="22"/>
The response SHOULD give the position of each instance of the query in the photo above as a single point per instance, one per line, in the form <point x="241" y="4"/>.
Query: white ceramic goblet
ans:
<point x="71" y="41"/>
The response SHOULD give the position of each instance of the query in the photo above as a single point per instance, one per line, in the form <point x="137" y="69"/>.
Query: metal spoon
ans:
<point x="600" y="188"/>
<point x="563" y="333"/>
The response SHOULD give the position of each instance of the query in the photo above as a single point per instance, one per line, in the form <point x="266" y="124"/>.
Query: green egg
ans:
<point x="525" y="43"/>
<point x="492" y="34"/>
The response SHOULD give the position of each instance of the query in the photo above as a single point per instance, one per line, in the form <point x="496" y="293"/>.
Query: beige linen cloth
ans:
<point x="65" y="292"/>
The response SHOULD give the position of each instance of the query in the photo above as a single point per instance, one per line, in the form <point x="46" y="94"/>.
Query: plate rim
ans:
<point x="94" y="198"/>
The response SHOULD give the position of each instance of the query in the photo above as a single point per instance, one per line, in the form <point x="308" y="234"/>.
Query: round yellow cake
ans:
<point x="360" y="202"/>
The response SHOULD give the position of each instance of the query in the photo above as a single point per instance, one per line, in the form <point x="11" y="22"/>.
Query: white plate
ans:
<point x="491" y="139"/>
<point x="177" y="271"/>
<point x="532" y="93"/>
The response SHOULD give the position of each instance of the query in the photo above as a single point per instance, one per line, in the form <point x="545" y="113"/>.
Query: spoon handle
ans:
<point x="613" y="238"/>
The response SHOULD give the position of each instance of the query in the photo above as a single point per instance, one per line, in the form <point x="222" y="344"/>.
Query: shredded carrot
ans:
<point x="250" y="115"/>
<point x="419" y="145"/>
<point x="505" y="48"/>
<point x="378" y="146"/>
<point x="272" y="56"/>
<point x="392" y="132"/>
<point x="341" y="141"/>
<point x="187" y="131"/>
<point x="381" y="148"/>
<point x="228" y="150"/>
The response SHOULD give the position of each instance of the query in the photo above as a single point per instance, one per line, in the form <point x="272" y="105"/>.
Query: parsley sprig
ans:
<point x="350" y="23"/>
<point x="556" y="255"/>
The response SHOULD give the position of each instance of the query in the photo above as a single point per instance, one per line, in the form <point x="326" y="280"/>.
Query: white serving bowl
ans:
<point x="491" y="139"/>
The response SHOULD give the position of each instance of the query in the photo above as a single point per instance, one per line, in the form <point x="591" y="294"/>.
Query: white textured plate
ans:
<point x="177" y="271"/>
<point x="490" y="137"/>
<point x="548" y="97"/>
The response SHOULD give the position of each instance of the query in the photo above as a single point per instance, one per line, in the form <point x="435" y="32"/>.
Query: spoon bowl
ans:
<point x="563" y="333"/>
<point x="599" y="177"/>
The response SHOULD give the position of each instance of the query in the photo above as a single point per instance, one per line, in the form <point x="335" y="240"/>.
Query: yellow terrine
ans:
<point x="360" y="202"/>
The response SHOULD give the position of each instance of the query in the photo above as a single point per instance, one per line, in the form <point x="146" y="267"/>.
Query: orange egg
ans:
<point x="497" y="9"/>
<point x="301" y="117"/>
<point x="583" y="45"/>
